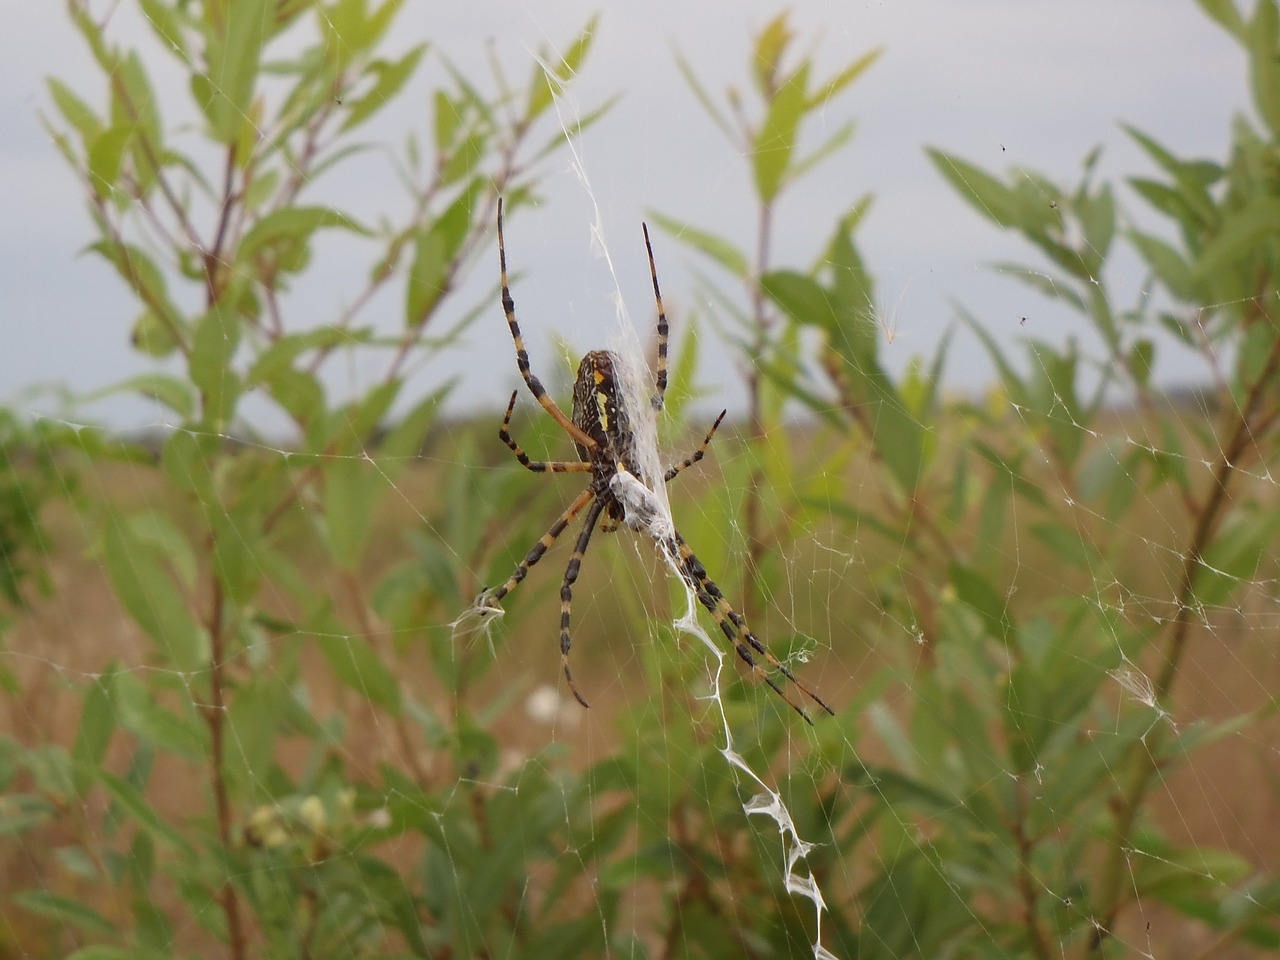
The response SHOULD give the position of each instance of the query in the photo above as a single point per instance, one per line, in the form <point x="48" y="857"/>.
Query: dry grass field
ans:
<point x="1227" y="796"/>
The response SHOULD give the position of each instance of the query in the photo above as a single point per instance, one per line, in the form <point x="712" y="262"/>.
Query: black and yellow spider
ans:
<point x="601" y="429"/>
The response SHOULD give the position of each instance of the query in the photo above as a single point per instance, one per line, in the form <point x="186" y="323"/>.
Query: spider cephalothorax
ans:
<point x="602" y="430"/>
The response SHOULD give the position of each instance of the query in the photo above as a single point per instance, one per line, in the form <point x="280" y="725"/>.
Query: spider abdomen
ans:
<point x="601" y="413"/>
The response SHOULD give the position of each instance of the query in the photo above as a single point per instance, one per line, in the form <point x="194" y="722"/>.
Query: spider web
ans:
<point x="828" y="589"/>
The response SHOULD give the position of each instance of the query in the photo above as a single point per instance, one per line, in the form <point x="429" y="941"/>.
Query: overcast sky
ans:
<point x="1000" y="82"/>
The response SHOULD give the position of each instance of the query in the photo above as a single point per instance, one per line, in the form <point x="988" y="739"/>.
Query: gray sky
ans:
<point x="1001" y="82"/>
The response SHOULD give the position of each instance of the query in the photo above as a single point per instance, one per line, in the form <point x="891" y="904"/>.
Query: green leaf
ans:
<point x="827" y="91"/>
<point x="1167" y="265"/>
<point x="132" y="801"/>
<point x="154" y="336"/>
<point x="140" y="714"/>
<point x="436" y="248"/>
<point x="404" y="441"/>
<point x="1069" y="545"/>
<point x="829" y="146"/>
<point x="979" y="595"/>
<point x="174" y="392"/>
<point x="1141" y="361"/>
<point x="139" y="271"/>
<point x="151" y="596"/>
<point x="771" y="44"/>
<point x="135" y="106"/>
<point x="167" y="24"/>
<point x="1263" y="38"/>
<point x="234" y="48"/>
<point x="849" y="326"/>
<point x="704" y="98"/>
<point x="1226" y="14"/>
<point x="106" y="155"/>
<point x="1009" y="378"/>
<point x="717" y="248"/>
<point x="355" y="664"/>
<point x="75" y="111"/>
<point x="988" y="195"/>
<point x="64" y="910"/>
<point x="217" y="336"/>
<point x="774" y="145"/>
<point x="546" y="83"/>
<point x="288" y="348"/>
<point x="187" y="458"/>
<point x="391" y="77"/>
<point x="291" y="227"/>
<point x="97" y="724"/>
<point x="1241" y="233"/>
<point x="352" y="488"/>
<point x="166" y="540"/>
<point x="1232" y="558"/>
<point x="898" y="434"/>
<point x="253" y="717"/>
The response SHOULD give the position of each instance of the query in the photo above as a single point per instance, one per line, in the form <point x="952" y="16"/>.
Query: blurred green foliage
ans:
<point x="988" y="793"/>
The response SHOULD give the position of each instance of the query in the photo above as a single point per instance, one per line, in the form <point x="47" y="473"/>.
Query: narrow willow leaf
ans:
<point x="140" y="714"/>
<point x="234" y="53"/>
<point x="435" y="249"/>
<point x="1263" y="38"/>
<point x="899" y="435"/>
<point x="175" y="393"/>
<point x="132" y="802"/>
<point x="771" y="43"/>
<point x="1226" y="14"/>
<point x="354" y="662"/>
<point x="217" y="336"/>
<point x="151" y="596"/>
<point x="391" y="77"/>
<point x="1231" y="560"/>
<point x="154" y="336"/>
<point x="717" y="248"/>
<point x="97" y="724"/>
<point x="1069" y="545"/>
<point x="291" y="226"/>
<point x="106" y="156"/>
<point x="774" y="145"/>
<point x="1241" y="232"/>
<point x="75" y="111"/>
<point x="826" y="91"/>
<point x="252" y="720"/>
<point x="65" y="910"/>
<point x="1167" y="264"/>
<point x="140" y="272"/>
<point x="978" y="594"/>
<point x="984" y="192"/>
<point x="351" y="488"/>
<point x="549" y="77"/>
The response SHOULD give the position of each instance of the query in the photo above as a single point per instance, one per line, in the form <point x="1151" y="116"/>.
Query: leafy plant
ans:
<point x="211" y="232"/>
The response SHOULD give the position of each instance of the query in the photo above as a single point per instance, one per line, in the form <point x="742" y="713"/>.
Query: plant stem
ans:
<point x="215" y="717"/>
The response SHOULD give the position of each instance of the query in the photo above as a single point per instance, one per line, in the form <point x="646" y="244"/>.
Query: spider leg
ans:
<point x="566" y="593"/>
<point x="522" y="355"/>
<point x="537" y="466"/>
<point x="661" y="393"/>
<point x="734" y="627"/>
<point x="697" y="455"/>
<point x="539" y="548"/>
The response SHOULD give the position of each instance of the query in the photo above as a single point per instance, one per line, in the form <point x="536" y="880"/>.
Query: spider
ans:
<point x="601" y="430"/>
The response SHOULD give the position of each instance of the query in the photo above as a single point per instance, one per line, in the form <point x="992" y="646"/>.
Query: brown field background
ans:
<point x="1227" y="796"/>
